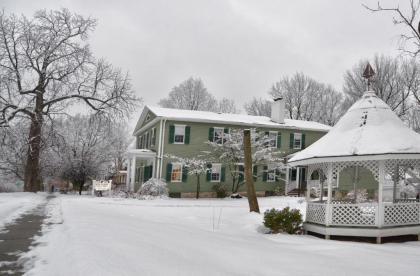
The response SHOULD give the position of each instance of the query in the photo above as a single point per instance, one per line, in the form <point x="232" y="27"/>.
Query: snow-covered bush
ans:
<point x="8" y="188"/>
<point x="283" y="221"/>
<point x="220" y="189"/>
<point x="153" y="188"/>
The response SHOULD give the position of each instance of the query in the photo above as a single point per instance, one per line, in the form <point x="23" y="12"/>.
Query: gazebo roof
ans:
<point x="369" y="130"/>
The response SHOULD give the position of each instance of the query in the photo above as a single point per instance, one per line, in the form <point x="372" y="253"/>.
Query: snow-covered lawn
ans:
<point x="105" y="236"/>
<point x="12" y="205"/>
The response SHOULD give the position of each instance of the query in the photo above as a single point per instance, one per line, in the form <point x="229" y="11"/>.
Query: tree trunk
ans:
<point x="249" y="180"/>
<point x="81" y="188"/>
<point x="32" y="177"/>
<point x="197" y="196"/>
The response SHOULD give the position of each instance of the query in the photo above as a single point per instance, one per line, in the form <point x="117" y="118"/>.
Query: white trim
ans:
<point x="294" y="140"/>
<point x="172" y="169"/>
<point x="275" y="139"/>
<point x="362" y="232"/>
<point x="147" y="126"/>
<point x="316" y="160"/>
<point x="220" y="173"/>
<point x="183" y="136"/>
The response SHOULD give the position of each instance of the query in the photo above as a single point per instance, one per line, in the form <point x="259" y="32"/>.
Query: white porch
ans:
<point x="386" y="212"/>
<point x="133" y="156"/>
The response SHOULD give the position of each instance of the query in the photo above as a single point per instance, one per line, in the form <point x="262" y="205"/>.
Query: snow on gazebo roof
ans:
<point x="368" y="130"/>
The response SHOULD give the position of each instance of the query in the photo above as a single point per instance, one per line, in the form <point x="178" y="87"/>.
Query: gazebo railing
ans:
<point x="363" y="214"/>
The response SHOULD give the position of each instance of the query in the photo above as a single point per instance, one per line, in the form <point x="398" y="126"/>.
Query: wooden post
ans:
<point x="329" y="204"/>
<point x="249" y="180"/>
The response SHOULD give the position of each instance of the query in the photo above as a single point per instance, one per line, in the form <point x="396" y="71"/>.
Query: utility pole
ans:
<point x="249" y="180"/>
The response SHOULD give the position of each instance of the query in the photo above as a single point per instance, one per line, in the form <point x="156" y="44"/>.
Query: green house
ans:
<point x="162" y="131"/>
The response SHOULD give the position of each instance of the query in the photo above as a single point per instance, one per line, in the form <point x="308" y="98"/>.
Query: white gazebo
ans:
<point x="362" y="176"/>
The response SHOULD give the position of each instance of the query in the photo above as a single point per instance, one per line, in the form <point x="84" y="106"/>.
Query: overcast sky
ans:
<point x="238" y="47"/>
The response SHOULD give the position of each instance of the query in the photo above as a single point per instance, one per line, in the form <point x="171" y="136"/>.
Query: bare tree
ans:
<point x="410" y="38"/>
<point x="258" y="107"/>
<point x="84" y="153"/>
<point x="191" y="95"/>
<point x="45" y="66"/>
<point x="226" y="105"/>
<point x="395" y="81"/>
<point x="307" y="99"/>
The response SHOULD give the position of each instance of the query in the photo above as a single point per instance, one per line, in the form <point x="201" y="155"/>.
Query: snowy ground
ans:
<point x="104" y="236"/>
<point x="12" y="205"/>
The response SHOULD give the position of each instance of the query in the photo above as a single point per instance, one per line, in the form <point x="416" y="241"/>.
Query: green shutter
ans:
<point x="255" y="172"/>
<point x="168" y="172"/>
<point x="146" y="173"/>
<point x="303" y="140"/>
<point x="279" y="140"/>
<point x="171" y="134"/>
<point x="226" y="130"/>
<point x="222" y="178"/>
<point x="208" y="174"/>
<point x="150" y="171"/>
<point x="184" y="173"/>
<point x="187" y="135"/>
<point x="211" y="134"/>
<point x="241" y="170"/>
<point x="265" y="173"/>
<point x="292" y="139"/>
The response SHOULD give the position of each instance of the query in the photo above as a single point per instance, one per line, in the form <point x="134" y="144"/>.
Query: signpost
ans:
<point x="101" y="185"/>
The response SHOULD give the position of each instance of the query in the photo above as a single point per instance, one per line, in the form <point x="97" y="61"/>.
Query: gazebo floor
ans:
<point x="363" y="232"/>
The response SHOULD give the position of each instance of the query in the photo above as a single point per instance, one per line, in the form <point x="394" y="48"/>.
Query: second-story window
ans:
<point x="179" y="135"/>
<point x="141" y="142"/>
<point x="220" y="135"/>
<point x="153" y="137"/>
<point x="297" y="143"/>
<point x="271" y="139"/>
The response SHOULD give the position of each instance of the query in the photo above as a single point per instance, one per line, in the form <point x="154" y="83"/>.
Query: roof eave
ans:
<point x="330" y="159"/>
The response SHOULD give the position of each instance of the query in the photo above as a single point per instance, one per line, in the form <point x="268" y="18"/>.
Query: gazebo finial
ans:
<point x="368" y="75"/>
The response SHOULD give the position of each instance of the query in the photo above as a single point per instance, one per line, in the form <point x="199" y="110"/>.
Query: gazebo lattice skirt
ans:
<point x="389" y="217"/>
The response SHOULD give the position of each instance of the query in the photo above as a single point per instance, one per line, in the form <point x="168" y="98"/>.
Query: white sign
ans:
<point x="102" y="185"/>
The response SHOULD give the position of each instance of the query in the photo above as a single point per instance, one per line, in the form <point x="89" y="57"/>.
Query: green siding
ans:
<point x="197" y="134"/>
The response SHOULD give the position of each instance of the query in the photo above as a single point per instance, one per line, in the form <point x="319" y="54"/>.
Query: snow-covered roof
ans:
<point x="233" y="119"/>
<point x="369" y="127"/>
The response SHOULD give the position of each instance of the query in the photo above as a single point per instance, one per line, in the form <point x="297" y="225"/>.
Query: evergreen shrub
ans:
<point x="283" y="221"/>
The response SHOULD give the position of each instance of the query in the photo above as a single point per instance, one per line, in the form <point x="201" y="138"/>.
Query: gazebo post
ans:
<point x="128" y="175"/>
<point x="329" y="207"/>
<point x="380" y="211"/>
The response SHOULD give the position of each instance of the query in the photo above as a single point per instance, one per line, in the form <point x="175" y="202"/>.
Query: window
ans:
<point x="216" y="172"/>
<point x="153" y="139"/>
<point x="147" y="143"/>
<point x="297" y="143"/>
<point x="219" y="135"/>
<point x="147" y="117"/>
<point x="271" y="173"/>
<point x="176" y="174"/>
<point x="272" y="139"/>
<point x="141" y="142"/>
<point x="179" y="135"/>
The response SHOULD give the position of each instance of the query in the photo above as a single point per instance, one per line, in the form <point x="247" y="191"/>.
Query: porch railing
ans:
<point x="363" y="214"/>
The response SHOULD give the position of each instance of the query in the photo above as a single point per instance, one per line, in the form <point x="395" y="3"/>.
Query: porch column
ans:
<point x="329" y="205"/>
<point x="128" y="175"/>
<point x="133" y="173"/>
<point x="286" y="183"/>
<point x="154" y="167"/>
<point x="308" y="188"/>
<point x="298" y="179"/>
<point x="381" y="180"/>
